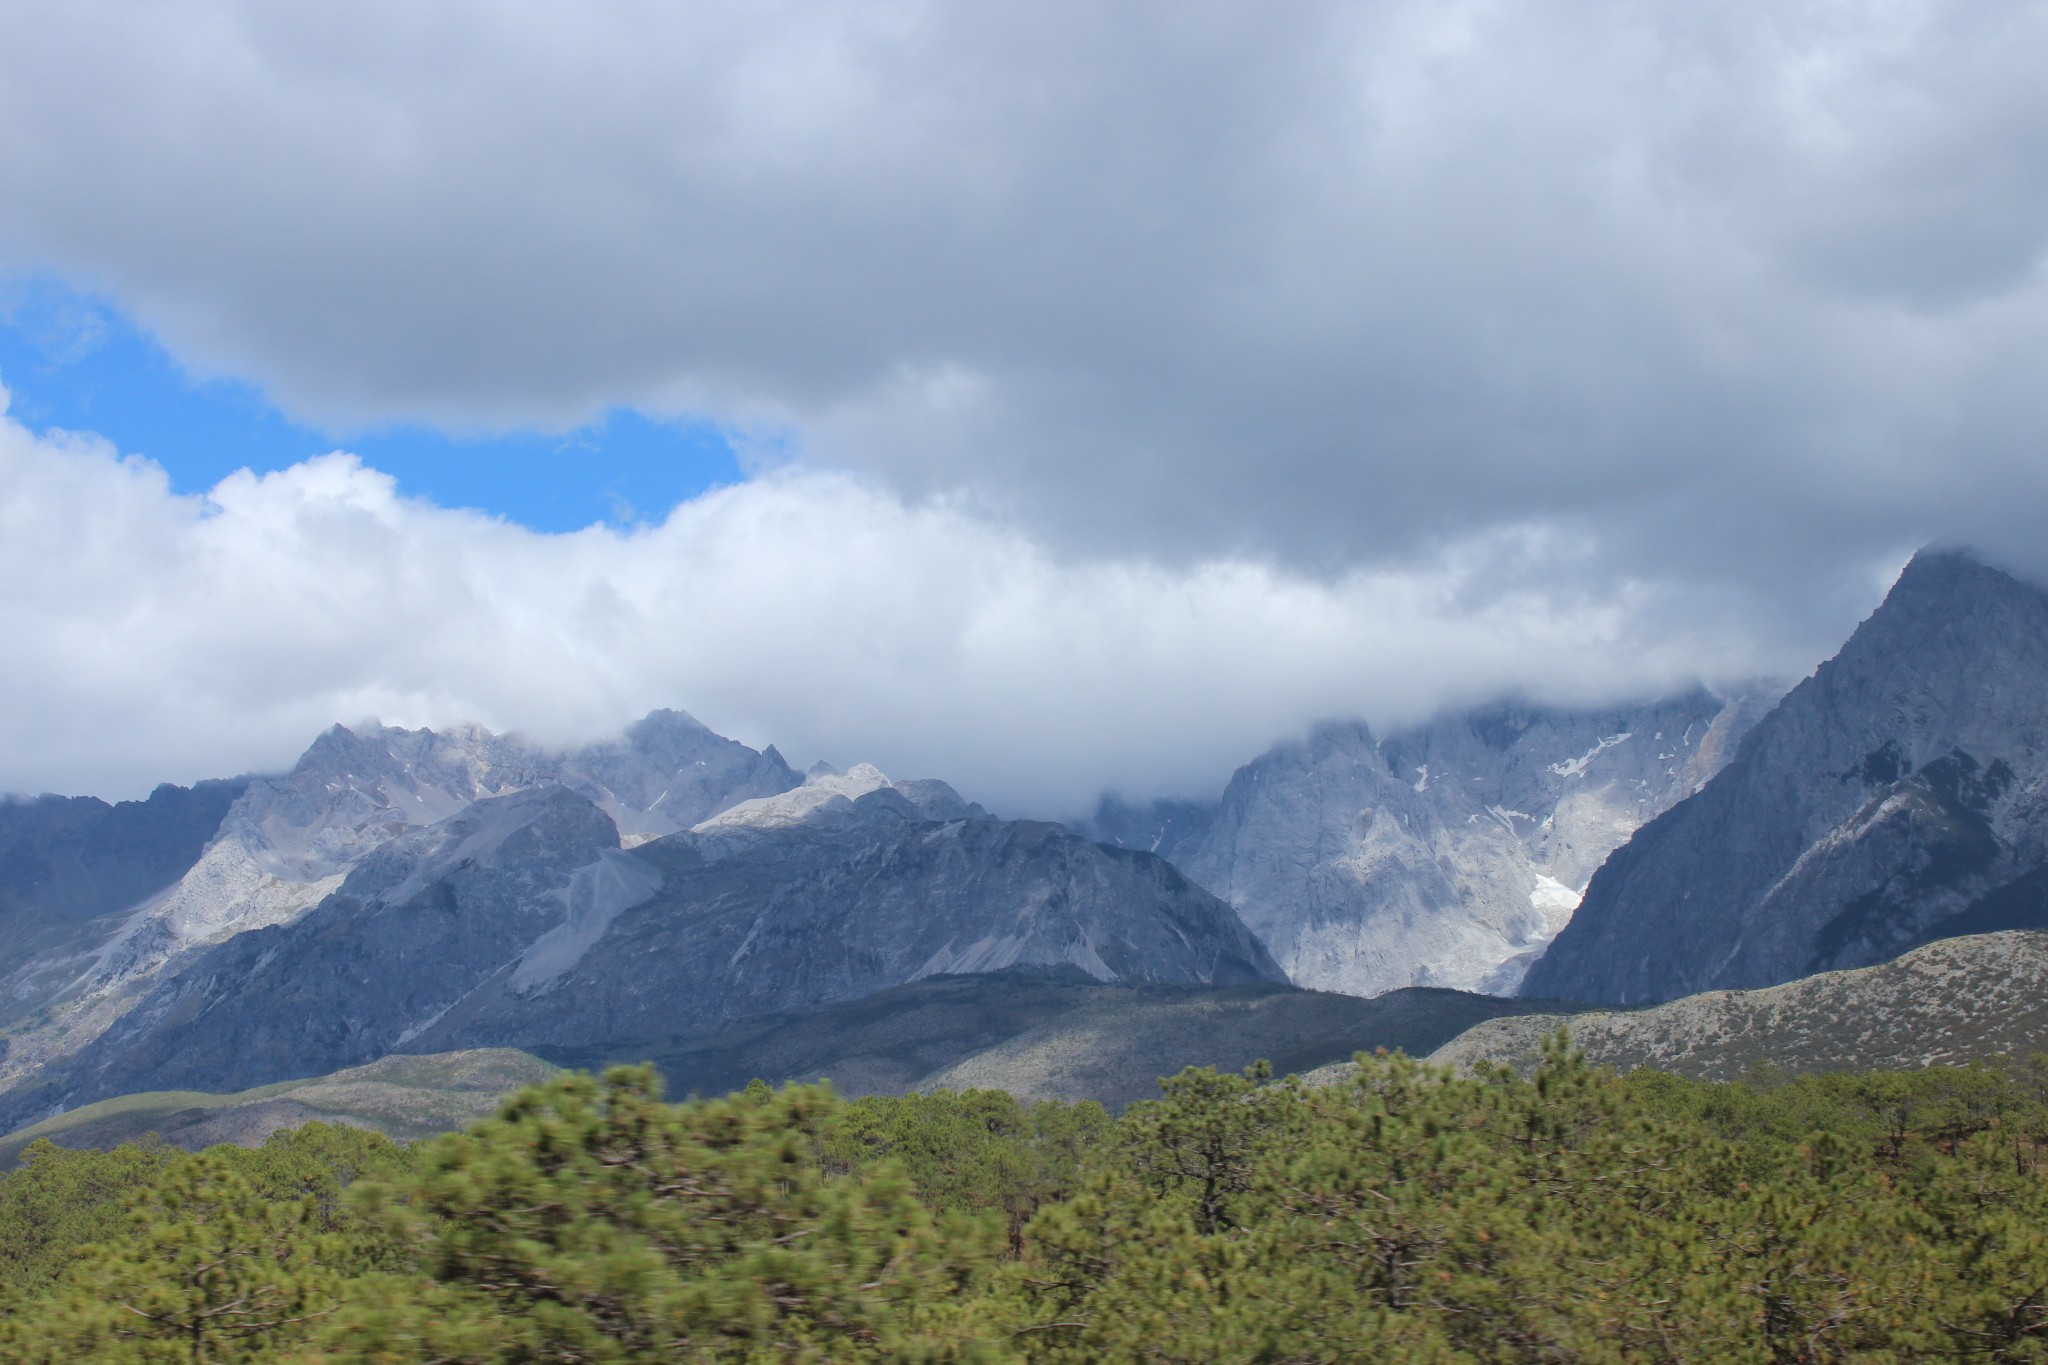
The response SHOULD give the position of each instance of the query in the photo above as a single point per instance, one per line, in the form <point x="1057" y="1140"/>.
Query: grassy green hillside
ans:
<point x="402" y="1097"/>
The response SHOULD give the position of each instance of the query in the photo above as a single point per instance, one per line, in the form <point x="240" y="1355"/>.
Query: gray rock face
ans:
<point x="522" y="918"/>
<point x="1898" y="795"/>
<point x="670" y="772"/>
<point x="286" y="842"/>
<point x="417" y="925"/>
<point x="817" y="915"/>
<point x="352" y="791"/>
<point x="1446" y="855"/>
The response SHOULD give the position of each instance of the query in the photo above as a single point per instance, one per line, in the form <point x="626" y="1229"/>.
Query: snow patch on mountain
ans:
<point x="1555" y="901"/>
<point x="1576" y="767"/>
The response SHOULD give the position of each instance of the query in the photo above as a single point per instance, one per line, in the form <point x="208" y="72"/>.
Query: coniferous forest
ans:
<point x="1405" y="1215"/>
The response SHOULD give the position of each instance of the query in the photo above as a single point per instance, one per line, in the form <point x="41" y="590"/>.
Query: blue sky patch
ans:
<point x="72" y="361"/>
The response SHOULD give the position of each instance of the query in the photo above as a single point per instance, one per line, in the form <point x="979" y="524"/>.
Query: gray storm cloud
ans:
<point x="1740" y="301"/>
<point x="1320" y="280"/>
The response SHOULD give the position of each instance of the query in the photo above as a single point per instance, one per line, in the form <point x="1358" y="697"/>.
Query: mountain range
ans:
<point x="678" y="893"/>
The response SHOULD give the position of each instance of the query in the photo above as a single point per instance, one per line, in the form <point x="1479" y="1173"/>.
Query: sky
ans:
<point x="1052" y="397"/>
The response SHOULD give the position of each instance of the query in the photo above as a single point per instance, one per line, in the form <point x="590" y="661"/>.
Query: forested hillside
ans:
<point x="1406" y="1216"/>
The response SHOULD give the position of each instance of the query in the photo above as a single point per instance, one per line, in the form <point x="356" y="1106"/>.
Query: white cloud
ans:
<point x="153" y="636"/>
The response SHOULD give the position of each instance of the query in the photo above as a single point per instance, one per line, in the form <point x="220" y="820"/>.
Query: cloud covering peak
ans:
<point x="154" y="636"/>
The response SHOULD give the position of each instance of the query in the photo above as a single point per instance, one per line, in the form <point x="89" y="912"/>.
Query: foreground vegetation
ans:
<point x="1404" y="1216"/>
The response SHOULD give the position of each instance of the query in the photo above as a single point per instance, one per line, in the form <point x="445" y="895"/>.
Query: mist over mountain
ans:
<point x="1446" y="854"/>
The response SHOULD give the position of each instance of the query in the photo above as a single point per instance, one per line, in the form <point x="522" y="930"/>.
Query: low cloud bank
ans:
<point x="153" y="636"/>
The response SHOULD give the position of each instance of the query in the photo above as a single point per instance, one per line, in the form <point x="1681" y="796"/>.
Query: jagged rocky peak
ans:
<point x="669" y="772"/>
<point x="288" y="837"/>
<point x="666" y="772"/>
<point x="671" y="738"/>
<point x="353" y="788"/>
<point x="937" y="800"/>
<point x="1897" y="795"/>
<point x="1445" y="854"/>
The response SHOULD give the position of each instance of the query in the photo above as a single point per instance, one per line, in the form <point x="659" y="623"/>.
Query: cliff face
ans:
<point x="1898" y="795"/>
<point x="805" y="918"/>
<point x="66" y="861"/>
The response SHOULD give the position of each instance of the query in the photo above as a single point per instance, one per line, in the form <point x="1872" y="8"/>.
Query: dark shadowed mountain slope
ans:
<point x="417" y="925"/>
<point x="1045" y="1033"/>
<point x="78" y="856"/>
<point x="1898" y="795"/>
<point x="813" y="913"/>
<point x="64" y="860"/>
